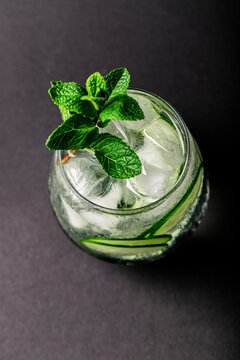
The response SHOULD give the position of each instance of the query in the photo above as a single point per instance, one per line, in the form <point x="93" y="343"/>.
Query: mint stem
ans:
<point x="67" y="157"/>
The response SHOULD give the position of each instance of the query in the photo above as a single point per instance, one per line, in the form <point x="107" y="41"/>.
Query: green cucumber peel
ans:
<point x="155" y="241"/>
<point x="159" y="224"/>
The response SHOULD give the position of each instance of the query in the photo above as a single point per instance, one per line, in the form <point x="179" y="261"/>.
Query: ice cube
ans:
<point x="115" y="128"/>
<point x="166" y="137"/>
<point x="91" y="181"/>
<point x="150" y="113"/>
<point x="110" y="198"/>
<point x="99" y="222"/>
<point x="159" y="170"/>
<point x="75" y="218"/>
<point x="153" y="182"/>
<point x="87" y="176"/>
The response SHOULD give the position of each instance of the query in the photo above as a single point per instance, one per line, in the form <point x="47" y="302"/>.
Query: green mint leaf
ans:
<point x="104" y="123"/>
<point x="86" y="108"/>
<point x="68" y="96"/>
<point x="63" y="92"/>
<point x="96" y="85"/>
<point x="66" y="114"/>
<point x="121" y="107"/>
<point x="77" y="132"/>
<point x="116" y="157"/>
<point x="97" y="101"/>
<point x="117" y="81"/>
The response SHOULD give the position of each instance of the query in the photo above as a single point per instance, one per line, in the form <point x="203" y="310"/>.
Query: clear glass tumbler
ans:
<point x="135" y="234"/>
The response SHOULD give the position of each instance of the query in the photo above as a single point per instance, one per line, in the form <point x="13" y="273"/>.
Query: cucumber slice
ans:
<point x="126" y="249"/>
<point x="168" y="221"/>
<point x="132" y="243"/>
<point x="155" y="239"/>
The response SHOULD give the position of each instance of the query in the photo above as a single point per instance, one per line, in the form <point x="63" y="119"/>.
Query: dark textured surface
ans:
<point x="57" y="302"/>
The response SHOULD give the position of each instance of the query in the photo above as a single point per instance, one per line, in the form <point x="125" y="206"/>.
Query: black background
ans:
<point x="57" y="302"/>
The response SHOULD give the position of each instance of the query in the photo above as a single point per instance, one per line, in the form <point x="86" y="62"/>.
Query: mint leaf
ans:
<point x="121" y="107"/>
<point x="116" y="157"/>
<point x="85" y="108"/>
<point x="68" y="96"/>
<point x="63" y="92"/>
<point x="77" y="132"/>
<point x="117" y="82"/>
<point x="103" y="123"/>
<point x="96" y="85"/>
<point x="97" y="101"/>
<point x="66" y="114"/>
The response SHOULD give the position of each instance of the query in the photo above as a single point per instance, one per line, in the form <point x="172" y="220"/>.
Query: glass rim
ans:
<point x="154" y="204"/>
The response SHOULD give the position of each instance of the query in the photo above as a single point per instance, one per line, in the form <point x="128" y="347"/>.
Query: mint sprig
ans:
<point x="84" y="111"/>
